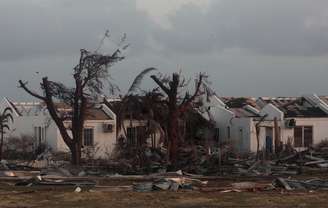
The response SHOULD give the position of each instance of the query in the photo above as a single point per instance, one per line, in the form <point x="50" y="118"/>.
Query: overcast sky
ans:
<point x="247" y="47"/>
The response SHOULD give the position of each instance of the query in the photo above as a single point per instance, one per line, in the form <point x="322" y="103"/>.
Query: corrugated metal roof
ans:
<point x="39" y="108"/>
<point x="242" y="112"/>
<point x="295" y="106"/>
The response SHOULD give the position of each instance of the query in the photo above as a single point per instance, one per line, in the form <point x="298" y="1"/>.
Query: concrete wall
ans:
<point x="222" y="118"/>
<point x="241" y="134"/>
<point x="320" y="129"/>
<point x="24" y="125"/>
<point x="104" y="142"/>
<point x="272" y="112"/>
<point x="240" y="128"/>
<point x="262" y="135"/>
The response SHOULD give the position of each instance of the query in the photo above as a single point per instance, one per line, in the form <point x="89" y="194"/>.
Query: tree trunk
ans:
<point x="258" y="143"/>
<point x="76" y="154"/>
<point x="1" y="144"/>
<point x="173" y="138"/>
<point x="277" y="147"/>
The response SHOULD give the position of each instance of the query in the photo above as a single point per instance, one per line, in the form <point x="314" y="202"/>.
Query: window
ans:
<point x="303" y="136"/>
<point x="39" y="134"/>
<point x="298" y="136"/>
<point x="88" y="139"/>
<point x="136" y="135"/>
<point x="108" y="127"/>
<point x="131" y="135"/>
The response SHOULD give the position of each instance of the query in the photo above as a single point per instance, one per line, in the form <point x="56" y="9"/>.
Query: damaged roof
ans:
<point x="242" y="106"/>
<point x="305" y="106"/>
<point x="39" y="108"/>
<point x="239" y="102"/>
<point x="133" y="111"/>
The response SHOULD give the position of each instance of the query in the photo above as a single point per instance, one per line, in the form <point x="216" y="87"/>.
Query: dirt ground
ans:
<point x="32" y="197"/>
<point x="192" y="199"/>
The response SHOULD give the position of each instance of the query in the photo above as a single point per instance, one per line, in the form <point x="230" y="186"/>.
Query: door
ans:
<point x="298" y="136"/>
<point x="268" y="139"/>
<point x="308" y="136"/>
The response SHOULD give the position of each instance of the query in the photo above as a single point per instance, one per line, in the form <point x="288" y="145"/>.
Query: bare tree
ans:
<point x="177" y="105"/>
<point x="89" y="76"/>
<point x="5" y="118"/>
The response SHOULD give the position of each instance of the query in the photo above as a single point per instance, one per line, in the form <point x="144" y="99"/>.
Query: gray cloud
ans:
<point x="272" y="27"/>
<point x="253" y="47"/>
<point x="41" y="28"/>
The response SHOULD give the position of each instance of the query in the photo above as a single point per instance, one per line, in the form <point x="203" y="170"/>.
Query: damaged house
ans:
<point x="234" y="119"/>
<point x="301" y="121"/>
<point x="246" y="124"/>
<point x="101" y="131"/>
<point x="31" y="119"/>
<point x="267" y="123"/>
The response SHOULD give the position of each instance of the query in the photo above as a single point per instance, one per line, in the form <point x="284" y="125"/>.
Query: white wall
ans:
<point x="24" y="125"/>
<point x="104" y="141"/>
<point x="320" y="129"/>
<point x="241" y="133"/>
<point x="262" y="135"/>
<point x="222" y="118"/>
<point x="272" y="112"/>
<point x="240" y="128"/>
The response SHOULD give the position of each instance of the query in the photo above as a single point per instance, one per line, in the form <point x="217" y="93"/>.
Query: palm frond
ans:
<point x="5" y="126"/>
<point x="7" y="111"/>
<point x="7" y="117"/>
<point x="137" y="81"/>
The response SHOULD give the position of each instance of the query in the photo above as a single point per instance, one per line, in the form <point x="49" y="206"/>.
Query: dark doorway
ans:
<point x="269" y="139"/>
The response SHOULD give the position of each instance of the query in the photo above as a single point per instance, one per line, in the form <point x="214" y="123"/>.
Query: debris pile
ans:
<point x="168" y="184"/>
<point x="312" y="184"/>
<point x="138" y="160"/>
<point x="197" y="159"/>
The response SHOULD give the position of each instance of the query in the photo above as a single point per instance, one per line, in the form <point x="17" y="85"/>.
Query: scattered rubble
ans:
<point x="198" y="166"/>
<point x="78" y="189"/>
<point x="171" y="184"/>
<point x="192" y="161"/>
<point x="311" y="184"/>
<point x="39" y="181"/>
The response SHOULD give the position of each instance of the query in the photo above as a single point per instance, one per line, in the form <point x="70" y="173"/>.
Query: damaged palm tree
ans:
<point x="5" y="118"/>
<point x="177" y="105"/>
<point x="133" y="103"/>
<point x="89" y="76"/>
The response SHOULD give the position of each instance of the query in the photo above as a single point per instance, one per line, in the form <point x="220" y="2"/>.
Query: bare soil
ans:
<point x="13" y="197"/>
<point x="62" y="197"/>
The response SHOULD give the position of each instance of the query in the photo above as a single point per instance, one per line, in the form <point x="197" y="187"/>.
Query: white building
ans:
<point x="302" y="121"/>
<point x="234" y="121"/>
<point x="32" y="119"/>
<point x="299" y="121"/>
